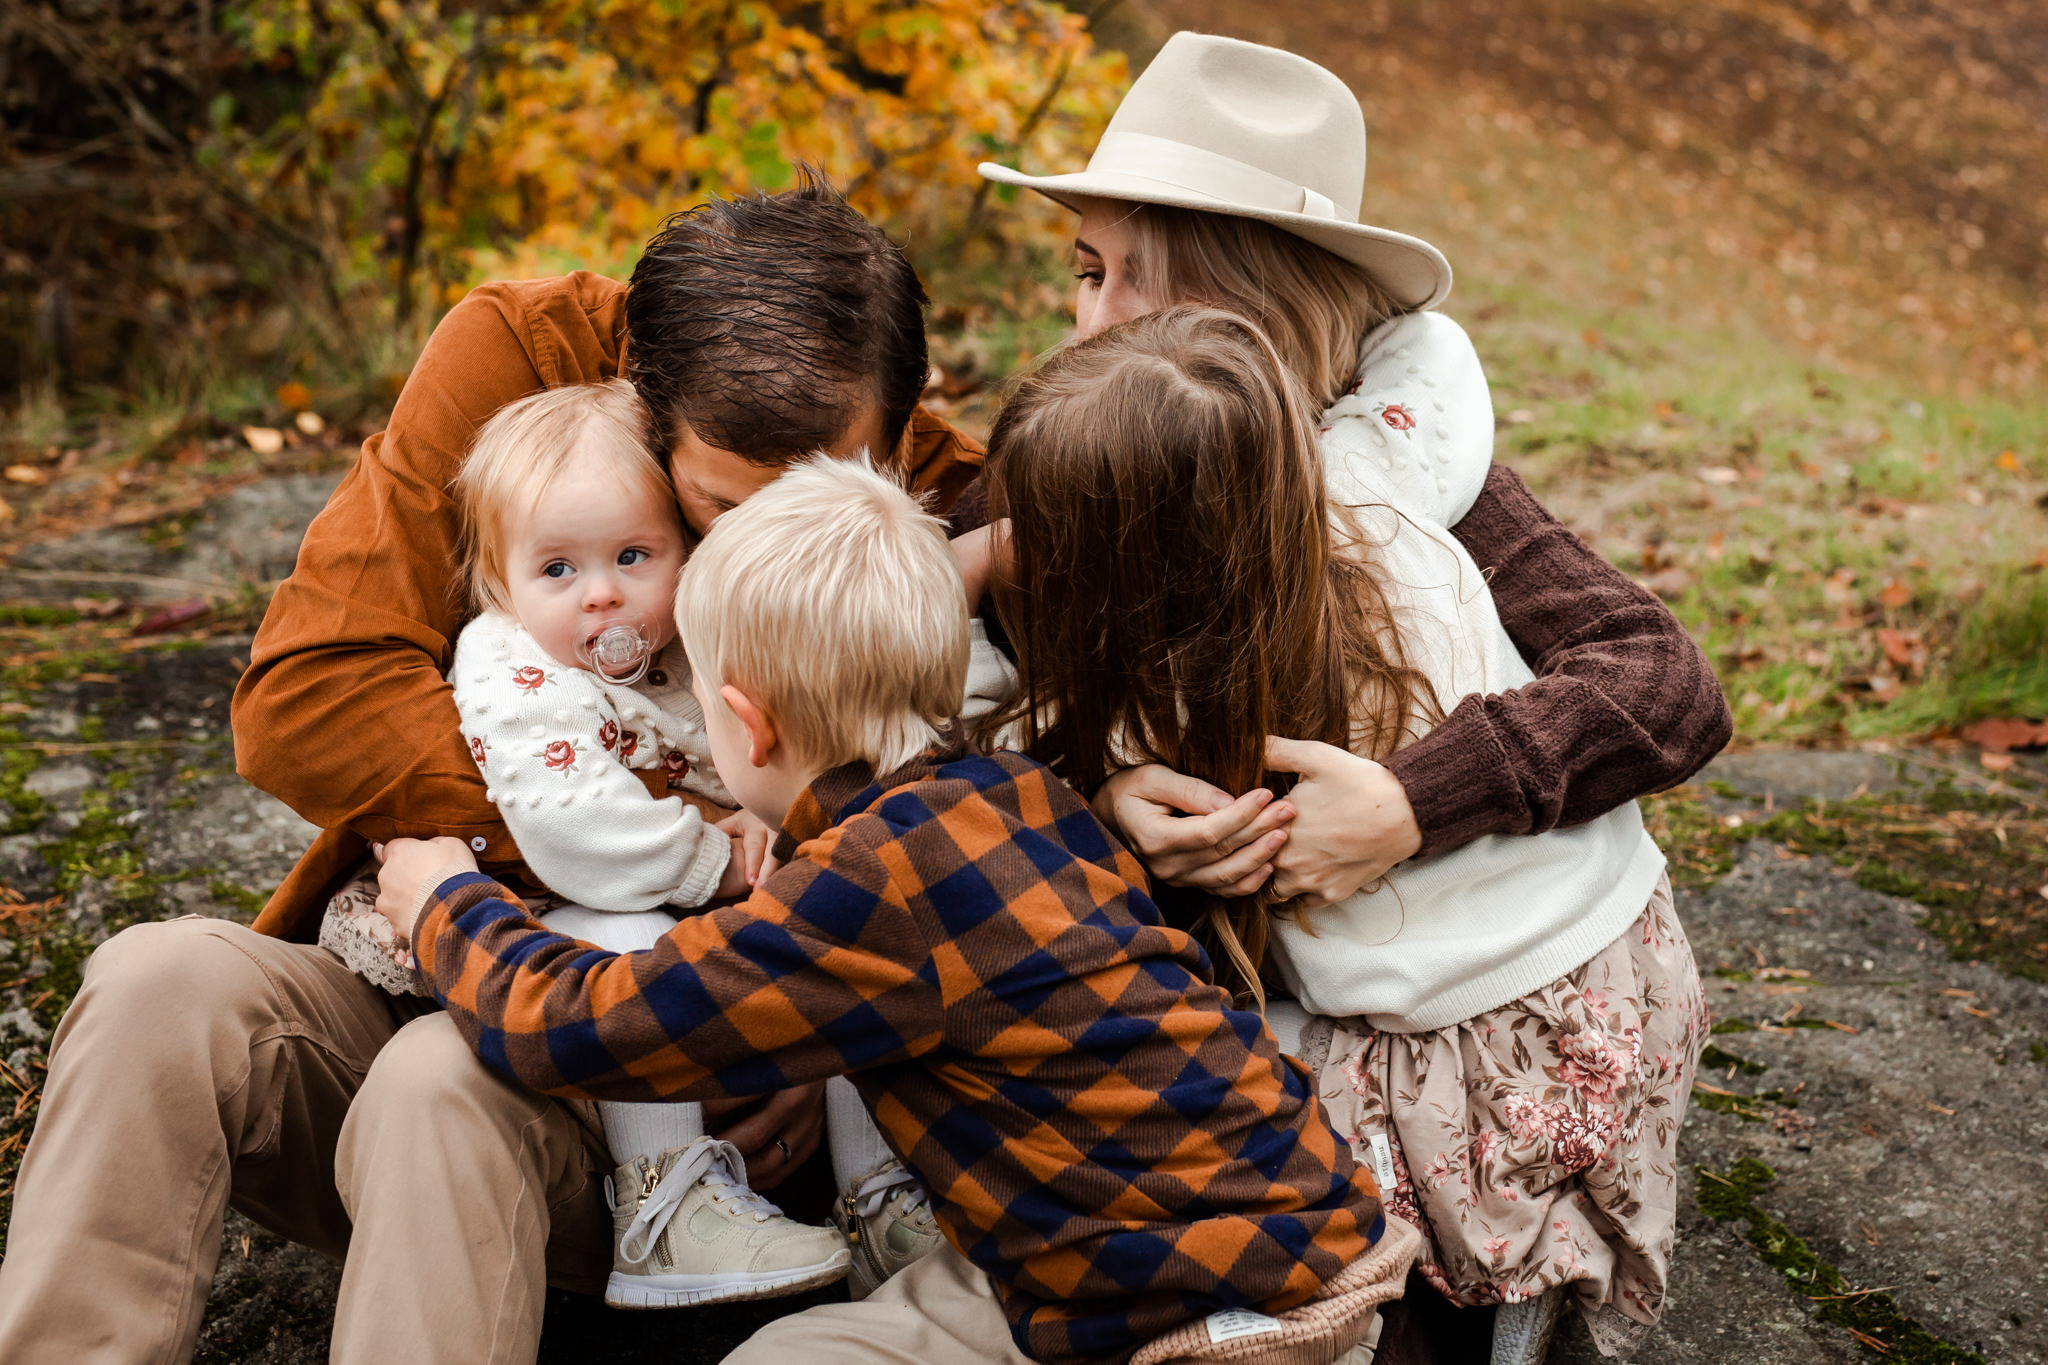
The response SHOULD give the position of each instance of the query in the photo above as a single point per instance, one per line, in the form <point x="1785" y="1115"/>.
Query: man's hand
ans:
<point x="412" y="868"/>
<point x="1354" y="822"/>
<point x="775" y="1138"/>
<point x="1188" y="833"/>
<point x="752" y="858"/>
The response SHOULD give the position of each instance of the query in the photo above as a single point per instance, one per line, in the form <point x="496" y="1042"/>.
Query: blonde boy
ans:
<point x="1113" y="1153"/>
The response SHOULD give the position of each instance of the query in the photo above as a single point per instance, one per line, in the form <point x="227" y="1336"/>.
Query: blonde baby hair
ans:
<point x="520" y="452"/>
<point x="832" y="599"/>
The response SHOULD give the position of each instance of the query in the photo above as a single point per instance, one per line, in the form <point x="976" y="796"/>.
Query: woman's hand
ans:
<point x="1354" y="822"/>
<point x="411" y="868"/>
<point x="752" y="860"/>
<point x="1188" y="833"/>
<point x="775" y="1138"/>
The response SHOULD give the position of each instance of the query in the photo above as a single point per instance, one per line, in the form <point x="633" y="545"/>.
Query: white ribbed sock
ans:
<point x="648" y="1130"/>
<point x="857" y="1146"/>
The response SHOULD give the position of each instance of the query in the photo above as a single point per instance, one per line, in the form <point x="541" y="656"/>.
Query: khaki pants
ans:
<point x="939" y="1311"/>
<point x="942" y="1310"/>
<point x="204" y="1065"/>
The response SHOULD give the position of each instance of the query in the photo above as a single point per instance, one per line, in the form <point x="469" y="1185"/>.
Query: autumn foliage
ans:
<point x="391" y="153"/>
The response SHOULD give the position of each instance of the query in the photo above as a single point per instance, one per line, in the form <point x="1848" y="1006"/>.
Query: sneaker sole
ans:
<point x="680" y="1291"/>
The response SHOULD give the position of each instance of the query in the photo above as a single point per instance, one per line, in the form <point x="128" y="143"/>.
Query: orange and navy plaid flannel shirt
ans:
<point x="1115" y="1146"/>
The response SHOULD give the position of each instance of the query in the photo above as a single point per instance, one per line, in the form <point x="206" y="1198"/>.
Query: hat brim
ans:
<point x="1410" y="269"/>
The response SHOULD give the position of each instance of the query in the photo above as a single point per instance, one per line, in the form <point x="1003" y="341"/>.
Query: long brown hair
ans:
<point x="1315" y="307"/>
<point x="1180" y="590"/>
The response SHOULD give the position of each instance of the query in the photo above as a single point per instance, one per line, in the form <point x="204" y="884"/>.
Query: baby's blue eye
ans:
<point x="558" y="569"/>
<point x="632" y="557"/>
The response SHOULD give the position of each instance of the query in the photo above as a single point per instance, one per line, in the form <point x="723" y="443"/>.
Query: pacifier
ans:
<point x="618" y="654"/>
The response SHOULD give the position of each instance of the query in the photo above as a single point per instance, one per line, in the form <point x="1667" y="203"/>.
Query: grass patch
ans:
<point x="1877" y="1322"/>
<point x="1975" y="860"/>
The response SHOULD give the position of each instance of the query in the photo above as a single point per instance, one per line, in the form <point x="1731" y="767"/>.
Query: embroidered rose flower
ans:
<point x="629" y="743"/>
<point x="528" y="679"/>
<point x="1527" y="1119"/>
<point x="1596" y="1001"/>
<point x="1439" y="1171"/>
<point x="608" y="735"/>
<point x="476" y="750"/>
<point x="1578" y="1143"/>
<point x="1590" y="1067"/>
<point x="1397" y="417"/>
<point x="1495" y="1248"/>
<point x="677" y="764"/>
<point x="560" y="756"/>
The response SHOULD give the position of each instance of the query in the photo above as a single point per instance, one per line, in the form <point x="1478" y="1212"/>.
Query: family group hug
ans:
<point x="1180" y="862"/>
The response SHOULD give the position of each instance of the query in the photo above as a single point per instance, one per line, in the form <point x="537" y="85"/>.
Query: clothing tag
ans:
<point x="1383" y="1163"/>
<point x="1233" y="1323"/>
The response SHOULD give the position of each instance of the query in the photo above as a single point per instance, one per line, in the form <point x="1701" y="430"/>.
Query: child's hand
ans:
<point x="752" y="860"/>
<point x="1354" y="822"/>
<point x="412" y="868"/>
<point x="984" y="558"/>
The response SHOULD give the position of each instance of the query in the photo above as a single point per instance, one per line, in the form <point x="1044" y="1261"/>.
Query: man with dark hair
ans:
<point x="204" y="1065"/>
<point x="773" y="324"/>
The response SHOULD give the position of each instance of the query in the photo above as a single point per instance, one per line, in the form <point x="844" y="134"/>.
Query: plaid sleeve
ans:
<point x="822" y="971"/>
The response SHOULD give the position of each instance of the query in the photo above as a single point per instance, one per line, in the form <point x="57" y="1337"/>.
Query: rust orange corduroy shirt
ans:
<point x="344" y="715"/>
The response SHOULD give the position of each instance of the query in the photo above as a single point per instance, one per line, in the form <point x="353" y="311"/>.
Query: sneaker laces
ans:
<point x="718" y="1165"/>
<point x="880" y="1187"/>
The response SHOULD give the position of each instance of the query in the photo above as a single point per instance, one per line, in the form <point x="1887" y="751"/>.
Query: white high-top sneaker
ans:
<point x="690" y="1231"/>
<point x="887" y="1216"/>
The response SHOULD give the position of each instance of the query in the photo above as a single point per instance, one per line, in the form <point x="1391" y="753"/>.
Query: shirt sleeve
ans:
<point x="343" y="713"/>
<point x="1419" y="419"/>
<point x="1624" y="702"/>
<point x="546" y="738"/>
<point x="991" y="677"/>
<point x="822" y="971"/>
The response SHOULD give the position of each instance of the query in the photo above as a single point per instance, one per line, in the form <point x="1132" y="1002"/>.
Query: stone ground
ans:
<point x="1913" y="1158"/>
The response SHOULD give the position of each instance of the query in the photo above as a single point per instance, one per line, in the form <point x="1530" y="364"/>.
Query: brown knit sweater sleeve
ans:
<point x="1624" y="702"/>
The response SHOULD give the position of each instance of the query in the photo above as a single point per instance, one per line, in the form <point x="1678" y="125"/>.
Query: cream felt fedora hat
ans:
<point x="1255" y="132"/>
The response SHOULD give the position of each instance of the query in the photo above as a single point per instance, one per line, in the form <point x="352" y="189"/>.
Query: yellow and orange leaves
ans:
<point x="564" y="133"/>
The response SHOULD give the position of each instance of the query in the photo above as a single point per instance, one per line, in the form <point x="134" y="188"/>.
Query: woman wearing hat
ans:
<point x="1230" y="176"/>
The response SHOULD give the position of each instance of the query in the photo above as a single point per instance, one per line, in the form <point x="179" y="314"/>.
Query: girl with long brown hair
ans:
<point x="1204" y="572"/>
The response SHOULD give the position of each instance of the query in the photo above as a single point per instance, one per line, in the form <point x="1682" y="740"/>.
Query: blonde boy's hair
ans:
<point x="832" y="599"/>
<point x="520" y="452"/>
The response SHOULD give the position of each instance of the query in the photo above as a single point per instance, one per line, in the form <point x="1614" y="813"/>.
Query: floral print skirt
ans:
<point x="1535" y="1145"/>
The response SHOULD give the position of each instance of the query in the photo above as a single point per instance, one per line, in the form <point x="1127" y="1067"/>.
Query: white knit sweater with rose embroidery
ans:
<point x="561" y="749"/>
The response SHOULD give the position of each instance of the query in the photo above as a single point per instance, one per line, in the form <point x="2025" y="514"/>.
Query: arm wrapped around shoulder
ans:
<point x="1624" y="702"/>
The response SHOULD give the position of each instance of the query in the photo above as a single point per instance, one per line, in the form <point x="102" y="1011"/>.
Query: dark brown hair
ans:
<point x="1181" y="589"/>
<point x="767" y="323"/>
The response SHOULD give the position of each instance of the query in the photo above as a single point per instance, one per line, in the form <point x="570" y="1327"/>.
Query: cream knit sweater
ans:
<point x="1445" y="938"/>
<point x="561" y="751"/>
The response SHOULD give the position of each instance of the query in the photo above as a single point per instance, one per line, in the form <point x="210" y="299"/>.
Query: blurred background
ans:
<point x="1761" y="287"/>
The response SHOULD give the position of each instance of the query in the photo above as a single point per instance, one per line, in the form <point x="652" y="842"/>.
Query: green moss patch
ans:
<point x="1719" y="1059"/>
<point x="1975" y="860"/>
<point x="1875" y="1319"/>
